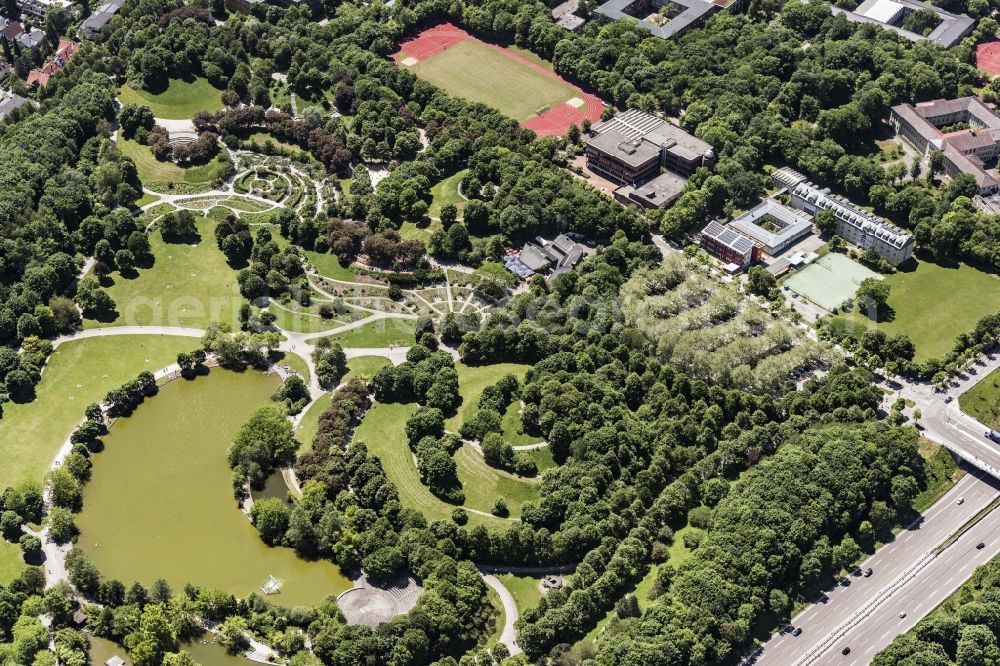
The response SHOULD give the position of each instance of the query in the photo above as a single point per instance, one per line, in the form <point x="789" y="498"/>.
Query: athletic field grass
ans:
<point x="180" y="101"/>
<point x="186" y="286"/>
<point x="523" y="588"/>
<point x="472" y="381"/>
<point x="392" y="332"/>
<point x="483" y="74"/>
<point x="383" y="432"/>
<point x="78" y="373"/>
<point x="934" y="304"/>
<point x="155" y="174"/>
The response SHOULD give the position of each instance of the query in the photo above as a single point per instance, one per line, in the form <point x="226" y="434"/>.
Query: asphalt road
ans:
<point x="891" y="561"/>
<point x="920" y="596"/>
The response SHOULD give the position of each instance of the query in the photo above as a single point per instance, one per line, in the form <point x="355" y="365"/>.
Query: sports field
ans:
<point x="933" y="304"/>
<point x="830" y="280"/>
<point x="519" y="87"/>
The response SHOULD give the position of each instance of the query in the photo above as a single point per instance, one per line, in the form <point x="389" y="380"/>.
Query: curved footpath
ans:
<point x="508" y="636"/>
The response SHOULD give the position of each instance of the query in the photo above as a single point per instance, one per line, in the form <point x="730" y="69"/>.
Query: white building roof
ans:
<point x="883" y="11"/>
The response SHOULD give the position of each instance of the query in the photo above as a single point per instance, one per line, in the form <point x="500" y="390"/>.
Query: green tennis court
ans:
<point x="830" y="280"/>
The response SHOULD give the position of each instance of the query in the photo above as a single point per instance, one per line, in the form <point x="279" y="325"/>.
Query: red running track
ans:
<point x="432" y="41"/>
<point x="554" y="122"/>
<point x="988" y="57"/>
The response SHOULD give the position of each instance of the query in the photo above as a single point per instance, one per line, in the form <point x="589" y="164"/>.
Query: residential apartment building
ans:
<point x="857" y="226"/>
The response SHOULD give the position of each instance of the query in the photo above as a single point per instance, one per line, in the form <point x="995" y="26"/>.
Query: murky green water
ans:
<point x="209" y="653"/>
<point x="160" y="502"/>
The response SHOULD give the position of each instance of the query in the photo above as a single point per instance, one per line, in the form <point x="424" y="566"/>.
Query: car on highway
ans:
<point x="980" y="545"/>
<point x="846" y="650"/>
<point x="961" y="500"/>
<point x="797" y="631"/>
<point x="868" y="572"/>
<point x="902" y="615"/>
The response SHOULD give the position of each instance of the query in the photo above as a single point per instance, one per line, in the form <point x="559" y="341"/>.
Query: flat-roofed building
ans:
<point x="857" y="226"/>
<point x="654" y="194"/>
<point x="774" y="226"/>
<point x="631" y="147"/>
<point x="891" y="14"/>
<point x="664" y="18"/>
<point x="729" y="246"/>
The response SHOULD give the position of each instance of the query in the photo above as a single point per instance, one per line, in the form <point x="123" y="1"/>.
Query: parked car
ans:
<point x="948" y="399"/>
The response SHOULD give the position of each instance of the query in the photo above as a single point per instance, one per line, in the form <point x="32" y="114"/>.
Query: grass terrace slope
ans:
<point x="178" y="101"/>
<point x="520" y="88"/>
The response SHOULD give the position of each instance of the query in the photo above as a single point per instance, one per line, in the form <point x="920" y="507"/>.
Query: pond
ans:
<point x="160" y="503"/>
<point x="207" y="653"/>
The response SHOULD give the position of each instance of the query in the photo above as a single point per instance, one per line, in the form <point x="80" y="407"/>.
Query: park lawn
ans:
<point x="146" y="199"/>
<point x="263" y="137"/>
<point x="383" y="430"/>
<point x="11" y="561"/>
<point x="420" y="232"/>
<point x="364" y="367"/>
<point x="542" y="457"/>
<point x="329" y="266"/>
<point x="933" y="304"/>
<point x="78" y="373"/>
<point x="524" y="589"/>
<point x="942" y="473"/>
<point x="361" y="367"/>
<point x="291" y="316"/>
<point x="480" y="73"/>
<point x="155" y="174"/>
<point x="484" y="485"/>
<point x="513" y="429"/>
<point x="391" y="332"/>
<point x="501" y="616"/>
<point x="293" y="361"/>
<point x="983" y="400"/>
<point x="309" y="425"/>
<point x="446" y="192"/>
<point x="678" y="551"/>
<point x="180" y="101"/>
<point x="472" y="381"/>
<point x="186" y="286"/>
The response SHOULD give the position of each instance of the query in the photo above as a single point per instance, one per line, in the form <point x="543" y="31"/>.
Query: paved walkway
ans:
<point x="509" y="635"/>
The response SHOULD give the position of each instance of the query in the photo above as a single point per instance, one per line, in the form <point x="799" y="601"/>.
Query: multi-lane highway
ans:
<point x="911" y="575"/>
<point x="846" y="603"/>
